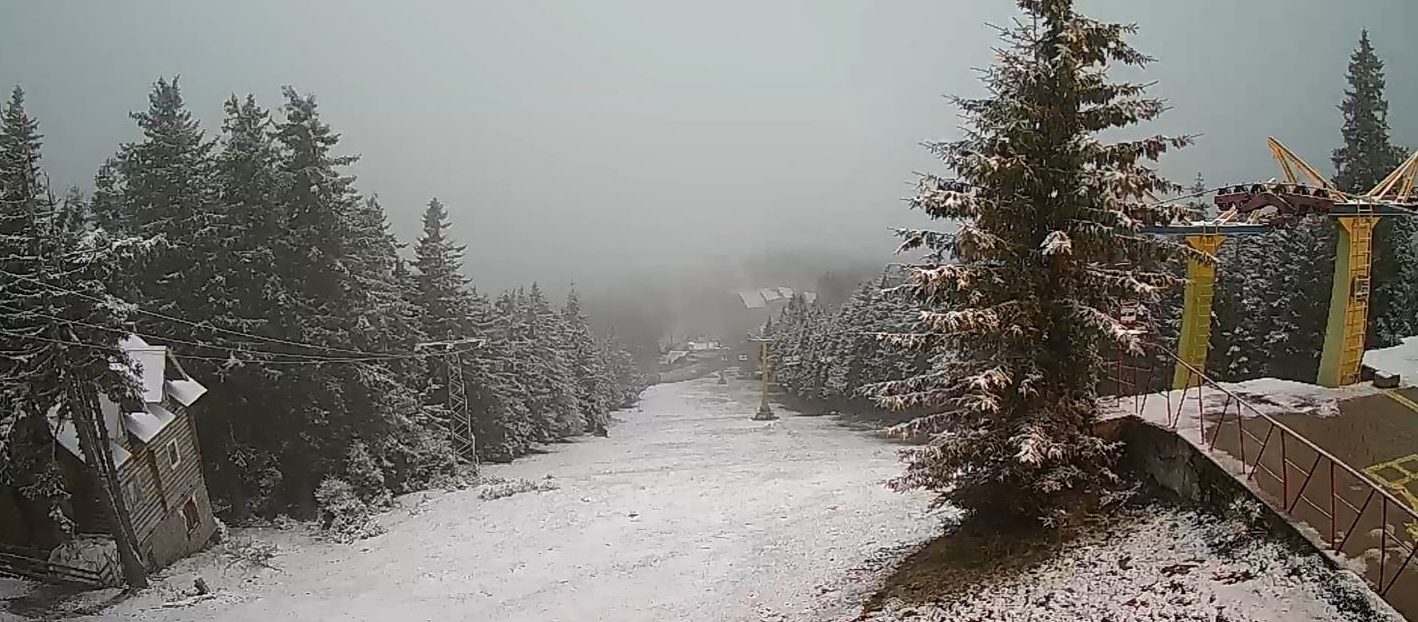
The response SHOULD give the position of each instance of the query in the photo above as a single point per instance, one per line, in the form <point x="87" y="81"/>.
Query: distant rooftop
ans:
<point x="760" y="298"/>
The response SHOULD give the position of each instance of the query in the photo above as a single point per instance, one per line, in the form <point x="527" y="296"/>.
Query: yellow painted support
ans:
<point x="1196" y="312"/>
<point x="1398" y="476"/>
<point x="1348" y="303"/>
<point x="1403" y="400"/>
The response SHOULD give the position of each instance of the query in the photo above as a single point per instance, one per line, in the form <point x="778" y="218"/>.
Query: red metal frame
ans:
<point x="1337" y="503"/>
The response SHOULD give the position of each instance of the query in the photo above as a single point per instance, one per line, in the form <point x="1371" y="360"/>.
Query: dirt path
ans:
<point x="690" y="511"/>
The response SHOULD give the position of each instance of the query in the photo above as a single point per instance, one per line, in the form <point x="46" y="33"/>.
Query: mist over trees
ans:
<point x="326" y="346"/>
<point x="835" y="356"/>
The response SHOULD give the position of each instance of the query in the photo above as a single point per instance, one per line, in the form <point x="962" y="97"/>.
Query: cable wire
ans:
<point x="198" y="325"/>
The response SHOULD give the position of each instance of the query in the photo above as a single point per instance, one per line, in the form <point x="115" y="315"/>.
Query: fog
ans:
<point x="614" y="141"/>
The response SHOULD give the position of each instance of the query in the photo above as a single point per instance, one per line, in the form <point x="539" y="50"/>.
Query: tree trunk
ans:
<point x="94" y="442"/>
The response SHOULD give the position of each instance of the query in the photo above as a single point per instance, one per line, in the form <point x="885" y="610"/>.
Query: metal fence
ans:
<point x="1346" y="511"/>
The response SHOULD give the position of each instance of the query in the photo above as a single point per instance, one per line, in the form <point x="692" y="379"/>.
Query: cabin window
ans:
<point x="174" y="456"/>
<point x="190" y="515"/>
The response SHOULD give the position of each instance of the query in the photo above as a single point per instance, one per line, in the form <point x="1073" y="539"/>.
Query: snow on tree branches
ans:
<point x="1026" y="295"/>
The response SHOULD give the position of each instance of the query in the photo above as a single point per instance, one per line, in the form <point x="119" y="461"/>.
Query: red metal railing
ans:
<point x="1328" y="488"/>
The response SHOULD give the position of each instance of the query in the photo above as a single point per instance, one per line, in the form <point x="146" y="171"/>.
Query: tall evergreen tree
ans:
<point x="553" y="388"/>
<point x="337" y="266"/>
<point x="25" y="441"/>
<point x="587" y="368"/>
<point x="443" y="294"/>
<point x="442" y="297"/>
<point x="403" y="435"/>
<point x="1047" y="254"/>
<point x="1364" y="160"/>
<point x="247" y="294"/>
<point x="60" y="330"/>
<point x="166" y="192"/>
<point x="505" y="425"/>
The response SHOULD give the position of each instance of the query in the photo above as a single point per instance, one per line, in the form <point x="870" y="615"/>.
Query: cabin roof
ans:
<point x="159" y="378"/>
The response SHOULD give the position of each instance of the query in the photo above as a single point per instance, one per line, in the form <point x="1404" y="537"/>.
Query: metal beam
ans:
<point x="1348" y="303"/>
<point x="1195" y="339"/>
<point x="1208" y="228"/>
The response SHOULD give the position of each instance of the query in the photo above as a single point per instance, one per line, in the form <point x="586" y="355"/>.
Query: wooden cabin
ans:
<point x="155" y="449"/>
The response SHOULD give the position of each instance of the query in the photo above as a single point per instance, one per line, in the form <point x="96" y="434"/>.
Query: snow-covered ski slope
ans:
<point x="689" y="511"/>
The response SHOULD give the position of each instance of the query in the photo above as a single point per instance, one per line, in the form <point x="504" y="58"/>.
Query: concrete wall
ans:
<point x="1179" y="467"/>
<point x="1171" y="462"/>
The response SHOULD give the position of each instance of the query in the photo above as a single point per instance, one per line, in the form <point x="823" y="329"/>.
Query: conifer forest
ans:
<point x="252" y="252"/>
<point x="622" y="311"/>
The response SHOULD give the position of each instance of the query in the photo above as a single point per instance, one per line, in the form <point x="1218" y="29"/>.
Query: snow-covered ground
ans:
<point x="689" y="511"/>
<point x="692" y="511"/>
<point x="1179" y="409"/>
<point x="1160" y="563"/>
<point x="1400" y="360"/>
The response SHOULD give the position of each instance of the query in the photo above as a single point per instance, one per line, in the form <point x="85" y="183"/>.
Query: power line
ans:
<point x="205" y="326"/>
<point x="322" y="361"/>
<point x="202" y="344"/>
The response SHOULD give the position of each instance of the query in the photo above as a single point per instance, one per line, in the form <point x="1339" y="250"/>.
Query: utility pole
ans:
<point x="765" y="412"/>
<point x="94" y="443"/>
<point x="459" y="423"/>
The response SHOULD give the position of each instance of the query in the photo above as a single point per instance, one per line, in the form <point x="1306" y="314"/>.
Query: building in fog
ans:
<point x="154" y="447"/>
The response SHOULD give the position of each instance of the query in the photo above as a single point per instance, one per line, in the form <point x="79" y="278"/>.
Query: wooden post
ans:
<point x="765" y="412"/>
<point x="94" y="444"/>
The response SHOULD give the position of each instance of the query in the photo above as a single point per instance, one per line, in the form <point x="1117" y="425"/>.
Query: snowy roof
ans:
<point x="146" y="425"/>
<point x="759" y="298"/>
<point x="751" y="298"/>
<point x="1400" y="360"/>
<point x="185" y="391"/>
<point x="152" y="364"/>
<point x="68" y="436"/>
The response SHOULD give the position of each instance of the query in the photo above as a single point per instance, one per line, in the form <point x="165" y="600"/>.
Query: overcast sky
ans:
<point x="591" y="139"/>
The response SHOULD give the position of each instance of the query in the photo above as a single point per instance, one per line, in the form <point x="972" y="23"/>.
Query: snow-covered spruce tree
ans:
<point x="60" y="329"/>
<point x="443" y="292"/>
<point x="1242" y="312"/>
<point x="626" y="380"/>
<point x="449" y="309"/>
<point x="338" y="262"/>
<point x="165" y="192"/>
<point x="853" y="352"/>
<point x="442" y="296"/>
<point x="403" y="433"/>
<point x="799" y="349"/>
<point x="26" y="459"/>
<point x="1365" y="159"/>
<point x="587" y="370"/>
<point x="507" y="317"/>
<point x="1047" y="253"/>
<point x="496" y="392"/>
<point x="551" y="381"/>
<point x="242" y="467"/>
